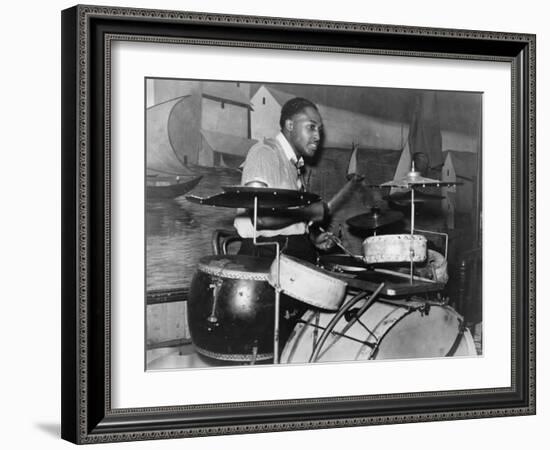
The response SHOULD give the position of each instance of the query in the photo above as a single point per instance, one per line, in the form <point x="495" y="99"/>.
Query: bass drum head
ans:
<point x="424" y="335"/>
<point x="385" y="331"/>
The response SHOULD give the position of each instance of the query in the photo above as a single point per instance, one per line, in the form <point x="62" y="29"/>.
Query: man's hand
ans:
<point x="323" y="241"/>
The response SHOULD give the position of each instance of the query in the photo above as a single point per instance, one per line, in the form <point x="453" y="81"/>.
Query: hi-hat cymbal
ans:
<point x="413" y="180"/>
<point x="405" y="198"/>
<point x="268" y="198"/>
<point x="374" y="220"/>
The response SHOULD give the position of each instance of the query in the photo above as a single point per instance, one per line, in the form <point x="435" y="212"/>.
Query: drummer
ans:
<point x="279" y="163"/>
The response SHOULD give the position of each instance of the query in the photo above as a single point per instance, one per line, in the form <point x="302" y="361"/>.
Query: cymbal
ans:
<point x="268" y="198"/>
<point x="404" y="198"/>
<point x="374" y="220"/>
<point x="345" y="263"/>
<point x="414" y="180"/>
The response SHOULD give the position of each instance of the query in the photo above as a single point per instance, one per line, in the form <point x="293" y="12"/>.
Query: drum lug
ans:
<point x="215" y="286"/>
<point x="425" y="310"/>
<point x="254" y="353"/>
<point x="351" y="314"/>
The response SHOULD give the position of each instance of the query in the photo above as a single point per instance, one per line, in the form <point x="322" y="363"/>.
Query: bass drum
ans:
<point x="386" y="330"/>
<point x="231" y="308"/>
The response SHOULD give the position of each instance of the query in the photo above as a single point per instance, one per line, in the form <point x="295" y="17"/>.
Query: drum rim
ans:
<point x="204" y="265"/>
<point x="401" y="236"/>
<point x="240" y="357"/>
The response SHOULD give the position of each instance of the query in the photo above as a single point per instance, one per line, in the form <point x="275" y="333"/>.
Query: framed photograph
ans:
<point x="285" y="224"/>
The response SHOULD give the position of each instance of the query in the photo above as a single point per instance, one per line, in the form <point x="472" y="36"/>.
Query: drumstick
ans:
<point x="404" y="275"/>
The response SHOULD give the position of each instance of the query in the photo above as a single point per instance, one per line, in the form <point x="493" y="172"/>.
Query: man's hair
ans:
<point x="292" y="107"/>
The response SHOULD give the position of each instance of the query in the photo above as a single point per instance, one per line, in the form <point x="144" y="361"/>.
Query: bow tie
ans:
<point x="300" y="167"/>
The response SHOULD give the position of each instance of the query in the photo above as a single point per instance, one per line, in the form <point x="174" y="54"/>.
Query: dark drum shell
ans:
<point x="231" y="308"/>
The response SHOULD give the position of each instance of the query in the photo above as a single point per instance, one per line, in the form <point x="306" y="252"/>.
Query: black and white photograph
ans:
<point x="247" y="225"/>
<point x="305" y="224"/>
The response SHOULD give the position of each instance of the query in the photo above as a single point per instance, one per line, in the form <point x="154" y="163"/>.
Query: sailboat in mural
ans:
<point x="169" y="186"/>
<point x="194" y="126"/>
<point x="168" y="171"/>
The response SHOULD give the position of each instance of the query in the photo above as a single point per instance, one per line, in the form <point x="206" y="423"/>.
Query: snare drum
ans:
<point x="384" y="331"/>
<point x="231" y="308"/>
<point x="395" y="248"/>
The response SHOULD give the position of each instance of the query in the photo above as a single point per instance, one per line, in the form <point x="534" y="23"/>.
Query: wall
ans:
<point x="30" y="387"/>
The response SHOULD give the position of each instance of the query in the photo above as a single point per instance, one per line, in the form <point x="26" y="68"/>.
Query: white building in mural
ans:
<point x="197" y="123"/>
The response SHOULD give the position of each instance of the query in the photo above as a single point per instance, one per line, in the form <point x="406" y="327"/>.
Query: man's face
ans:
<point x="303" y="132"/>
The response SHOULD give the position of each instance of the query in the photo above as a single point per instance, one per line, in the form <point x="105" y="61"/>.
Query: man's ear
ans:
<point x="289" y="124"/>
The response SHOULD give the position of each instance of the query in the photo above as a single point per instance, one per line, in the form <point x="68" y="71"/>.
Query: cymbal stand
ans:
<point x="277" y="283"/>
<point x="412" y="232"/>
<point x="412" y="228"/>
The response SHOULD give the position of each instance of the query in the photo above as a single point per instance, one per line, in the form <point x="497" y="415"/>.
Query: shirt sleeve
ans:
<point x="262" y="165"/>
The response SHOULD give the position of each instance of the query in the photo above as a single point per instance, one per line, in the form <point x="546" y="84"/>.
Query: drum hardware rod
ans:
<point x="412" y="265"/>
<point x="438" y="233"/>
<point x="336" y="333"/>
<point x="355" y="319"/>
<point x="330" y="327"/>
<point x="412" y="227"/>
<point x="277" y="283"/>
<point x="339" y="315"/>
<point x="412" y="231"/>
<point x="368" y="331"/>
<point x="316" y="329"/>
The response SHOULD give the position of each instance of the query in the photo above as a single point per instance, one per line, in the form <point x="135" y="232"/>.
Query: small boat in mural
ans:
<point x="170" y="186"/>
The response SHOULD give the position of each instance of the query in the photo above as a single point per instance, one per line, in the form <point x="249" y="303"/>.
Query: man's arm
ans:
<point x="273" y="220"/>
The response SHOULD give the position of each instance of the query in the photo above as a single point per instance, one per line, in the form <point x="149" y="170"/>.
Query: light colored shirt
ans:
<point x="272" y="162"/>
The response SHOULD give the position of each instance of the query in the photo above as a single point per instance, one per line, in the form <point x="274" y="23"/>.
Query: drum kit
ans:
<point x="361" y="307"/>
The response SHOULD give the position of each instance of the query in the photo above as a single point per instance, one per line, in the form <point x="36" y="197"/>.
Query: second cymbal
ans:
<point x="405" y="198"/>
<point x="374" y="219"/>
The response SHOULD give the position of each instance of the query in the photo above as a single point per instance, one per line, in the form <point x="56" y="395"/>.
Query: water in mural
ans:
<point x="179" y="232"/>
